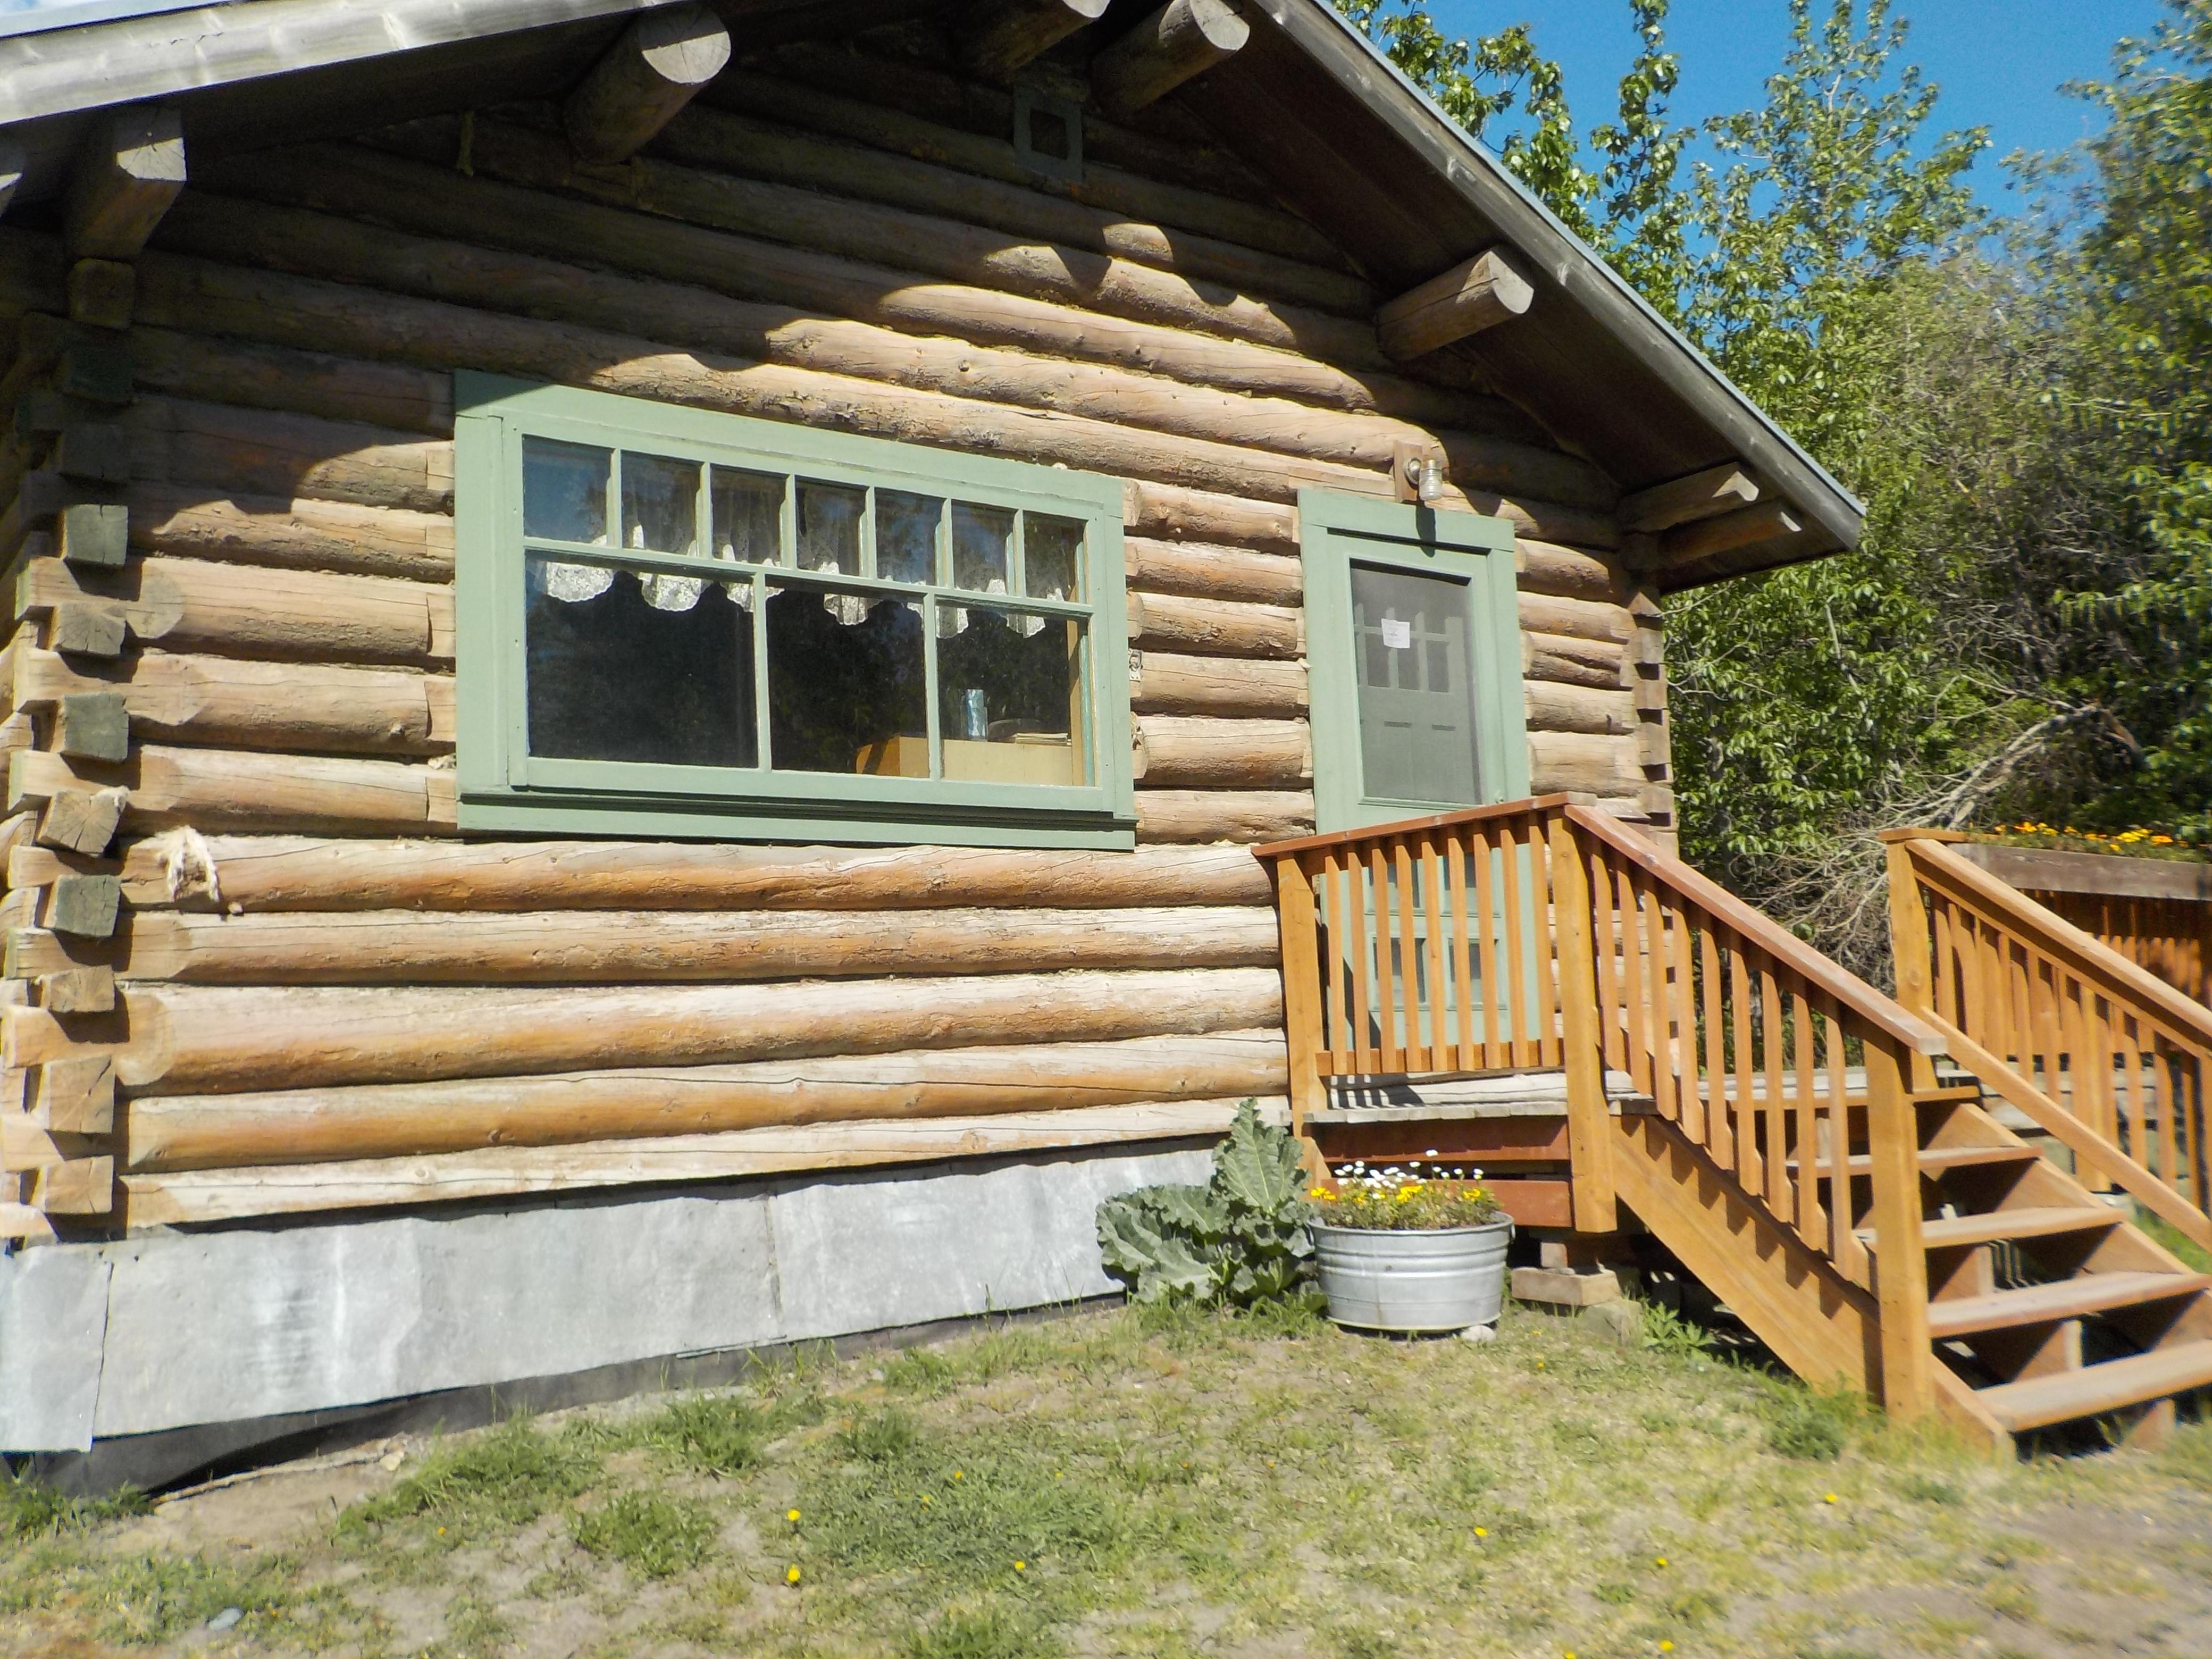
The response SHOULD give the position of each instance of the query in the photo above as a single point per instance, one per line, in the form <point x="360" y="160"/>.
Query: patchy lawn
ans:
<point x="1162" y="1486"/>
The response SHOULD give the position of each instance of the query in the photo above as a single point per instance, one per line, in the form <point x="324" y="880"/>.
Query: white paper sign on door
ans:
<point x="1397" y="636"/>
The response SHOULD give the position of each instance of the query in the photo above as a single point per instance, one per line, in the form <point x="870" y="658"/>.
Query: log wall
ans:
<point x="242" y="935"/>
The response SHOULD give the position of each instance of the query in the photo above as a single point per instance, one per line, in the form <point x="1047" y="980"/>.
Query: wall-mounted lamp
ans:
<point x="1426" y="475"/>
<point x="1417" y="471"/>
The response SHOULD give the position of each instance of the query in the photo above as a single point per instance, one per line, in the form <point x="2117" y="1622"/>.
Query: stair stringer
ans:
<point x="1820" y="1324"/>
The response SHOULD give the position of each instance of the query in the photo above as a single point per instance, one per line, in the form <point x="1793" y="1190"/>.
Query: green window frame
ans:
<point x="1338" y="532"/>
<point x="976" y="788"/>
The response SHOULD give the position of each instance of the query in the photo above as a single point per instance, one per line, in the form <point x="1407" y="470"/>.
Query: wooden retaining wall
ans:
<point x="250" y="969"/>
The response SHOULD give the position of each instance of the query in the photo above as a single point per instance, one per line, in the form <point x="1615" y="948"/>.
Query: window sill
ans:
<point x="867" y="824"/>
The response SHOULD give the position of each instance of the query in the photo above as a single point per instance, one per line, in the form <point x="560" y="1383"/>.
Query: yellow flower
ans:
<point x="924" y="1498"/>
<point x="441" y="1532"/>
<point x="1830" y="1498"/>
<point x="791" y="1575"/>
<point x="1662" y="1561"/>
<point x="1021" y="1566"/>
<point x="1482" y="1532"/>
<point x="791" y="1515"/>
<point x="956" y="1475"/>
<point x="1666" y="1647"/>
<point x="1318" y="1193"/>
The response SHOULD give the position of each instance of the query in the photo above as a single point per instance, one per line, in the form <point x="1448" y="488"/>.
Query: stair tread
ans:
<point x="2027" y="1222"/>
<point x="1936" y="1157"/>
<point x="2069" y="1298"/>
<point x="1945" y="1094"/>
<point x="2095" y="1390"/>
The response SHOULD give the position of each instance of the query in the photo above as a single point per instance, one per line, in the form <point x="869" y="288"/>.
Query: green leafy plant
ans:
<point x="653" y="1535"/>
<point x="1240" y="1239"/>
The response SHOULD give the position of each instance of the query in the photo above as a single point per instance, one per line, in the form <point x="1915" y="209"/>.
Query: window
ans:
<point x="679" y="623"/>
<point x="1414" y="654"/>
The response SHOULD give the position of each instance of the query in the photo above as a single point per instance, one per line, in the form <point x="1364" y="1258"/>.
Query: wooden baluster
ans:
<point x="1909" y="949"/>
<point x="1848" y="1251"/>
<point x="1947" y="965"/>
<point x="1467" y="920"/>
<point x="2018" y="971"/>
<point x="1339" y="964"/>
<point x="1605" y="929"/>
<point x="1515" y="945"/>
<point x="1742" y="990"/>
<point x="1411" y="1056"/>
<point x="2043" y="999"/>
<point x="2072" y="998"/>
<point x="1438" y="1003"/>
<point x="1388" y="1056"/>
<point x="2093" y="1068"/>
<point x="1908" y="1383"/>
<point x="2169" y="1099"/>
<point x="1294" y="900"/>
<point x="1659" y="998"/>
<point x="1636" y="1006"/>
<point x="1496" y="1053"/>
<point x="1363" y="1001"/>
<point x="2127" y="1084"/>
<point x="1589" y="1126"/>
<point x="1682" y="1010"/>
<point x="1720" y="1137"/>
<point x="1544" y="924"/>
<point x="1776" y="1116"/>
<point x="1811" y="1225"/>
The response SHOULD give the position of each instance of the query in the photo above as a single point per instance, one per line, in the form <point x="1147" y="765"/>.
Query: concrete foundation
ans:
<point x="248" y="1334"/>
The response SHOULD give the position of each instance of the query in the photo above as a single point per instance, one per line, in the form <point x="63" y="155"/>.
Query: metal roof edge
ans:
<point x="1538" y="233"/>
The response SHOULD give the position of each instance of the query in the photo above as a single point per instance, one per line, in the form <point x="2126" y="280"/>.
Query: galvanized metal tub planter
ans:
<point x="1415" y="1280"/>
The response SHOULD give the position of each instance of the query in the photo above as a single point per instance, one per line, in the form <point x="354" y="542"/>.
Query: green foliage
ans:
<point x="718" y="1434"/>
<point x="990" y="1631"/>
<point x="480" y="1488"/>
<point x="655" y="1535"/>
<point x="145" y="1598"/>
<point x="1811" y="1425"/>
<point x="1240" y="1239"/>
<point x="879" y="1437"/>
<point x="31" y="1508"/>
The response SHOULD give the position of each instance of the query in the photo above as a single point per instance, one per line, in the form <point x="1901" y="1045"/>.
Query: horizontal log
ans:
<point x="602" y="947"/>
<point x="1163" y="683"/>
<point x="1176" y="752"/>
<point x="338" y="535"/>
<point x="1002" y="35"/>
<point x="233" y="370"/>
<point x="534" y="241"/>
<point x="1168" y="512"/>
<point x="1686" y="543"/>
<point x="976" y="255"/>
<point x="224" y="1195"/>
<point x="1704" y="495"/>
<point x="1555" y="708"/>
<point x="129" y="170"/>
<point x="257" y="705"/>
<point x="177" y="1039"/>
<point x="722" y="143"/>
<point x="1181" y="40"/>
<point x="211" y="789"/>
<point x="662" y="62"/>
<point x="1570" y="661"/>
<point x="1206" y="571"/>
<point x="1243" y="816"/>
<point x="381" y="325"/>
<point x="1568" y="571"/>
<point x="302" y="311"/>
<point x="1476" y="294"/>
<point x="1561" y="762"/>
<point x="1215" y="628"/>
<point x="1585" y="619"/>
<point x="196" y="605"/>
<point x="298" y="872"/>
<point x="846" y="112"/>
<point x="267" y="453"/>
<point x="201" y="1132"/>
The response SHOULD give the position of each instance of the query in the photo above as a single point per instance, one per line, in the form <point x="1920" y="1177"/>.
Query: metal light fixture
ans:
<point x="1426" y="475"/>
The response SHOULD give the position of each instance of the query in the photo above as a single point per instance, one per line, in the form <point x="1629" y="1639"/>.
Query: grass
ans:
<point x="1168" y="1483"/>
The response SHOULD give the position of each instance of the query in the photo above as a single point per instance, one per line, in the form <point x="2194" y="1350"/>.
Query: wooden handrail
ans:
<point x="1762" y="930"/>
<point x="1276" y="849"/>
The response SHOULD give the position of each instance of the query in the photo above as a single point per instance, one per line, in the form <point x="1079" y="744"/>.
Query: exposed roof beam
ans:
<point x="1765" y="522"/>
<point x="1472" y="295"/>
<point x="131" y="169"/>
<point x="1008" y="34"/>
<point x="658" y="66"/>
<point x="1183" y="39"/>
<point x="11" y="171"/>
<point x="1705" y="494"/>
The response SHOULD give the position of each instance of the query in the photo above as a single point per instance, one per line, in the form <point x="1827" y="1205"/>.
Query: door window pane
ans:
<point x="1052" y="554"/>
<point x="830" y="527"/>
<point x="1412" y="636"/>
<point x="614" y="675"/>
<point x="982" y="538"/>
<point x="748" y="517"/>
<point x="1010" y="699"/>
<point x="660" y="503"/>
<point x="906" y="536"/>
<point x="564" y="491"/>
<point x="845" y="681"/>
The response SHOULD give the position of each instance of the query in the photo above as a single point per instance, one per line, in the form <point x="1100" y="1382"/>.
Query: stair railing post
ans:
<point x="1908" y="1384"/>
<point x="1301" y="1000"/>
<point x="1910" y="949"/>
<point x="1589" y="1121"/>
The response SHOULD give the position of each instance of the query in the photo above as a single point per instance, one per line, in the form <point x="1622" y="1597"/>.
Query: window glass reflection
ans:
<point x="564" y="491"/>
<point x="748" y="516"/>
<point x="614" y="673"/>
<point x="1011" y="698"/>
<point x="982" y="538"/>
<point x="1052" y="554"/>
<point x="830" y="527"/>
<point x="846" y="683"/>
<point x="906" y="536"/>
<point x="660" y="503"/>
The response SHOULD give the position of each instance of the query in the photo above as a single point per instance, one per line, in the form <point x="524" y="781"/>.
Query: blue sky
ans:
<point x="2000" y="63"/>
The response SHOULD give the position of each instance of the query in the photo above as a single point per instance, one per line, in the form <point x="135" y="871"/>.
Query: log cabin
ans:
<point x="682" y="674"/>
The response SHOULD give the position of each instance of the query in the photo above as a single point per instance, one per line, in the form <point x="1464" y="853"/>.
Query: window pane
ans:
<point x="564" y="491"/>
<point x="660" y="503"/>
<point x="748" y="517"/>
<point x="845" y="682"/>
<point x="1010" y="699"/>
<point x="980" y="538"/>
<point x="618" y="672"/>
<point x="1412" y="637"/>
<point x="1052" y="556"/>
<point x="906" y="536"/>
<point x="830" y="527"/>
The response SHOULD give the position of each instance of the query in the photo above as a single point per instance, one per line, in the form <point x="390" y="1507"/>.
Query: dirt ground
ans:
<point x="1162" y="1485"/>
